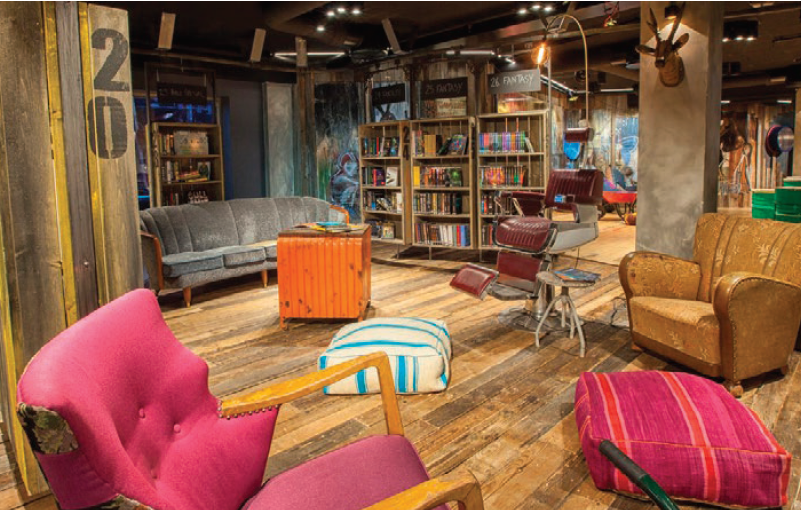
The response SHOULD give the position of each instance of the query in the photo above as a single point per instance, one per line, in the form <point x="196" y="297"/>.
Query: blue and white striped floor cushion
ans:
<point x="419" y="351"/>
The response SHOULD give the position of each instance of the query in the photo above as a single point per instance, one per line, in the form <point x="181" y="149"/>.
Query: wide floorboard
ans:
<point x="508" y="413"/>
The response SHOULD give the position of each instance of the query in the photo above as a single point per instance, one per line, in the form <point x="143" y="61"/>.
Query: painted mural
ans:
<point x="336" y="114"/>
<point x="390" y="111"/>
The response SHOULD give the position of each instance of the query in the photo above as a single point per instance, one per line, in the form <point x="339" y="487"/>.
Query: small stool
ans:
<point x="568" y="308"/>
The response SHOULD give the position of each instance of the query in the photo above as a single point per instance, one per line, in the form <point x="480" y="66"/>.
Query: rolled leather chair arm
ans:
<point x="531" y="203"/>
<point x="759" y="319"/>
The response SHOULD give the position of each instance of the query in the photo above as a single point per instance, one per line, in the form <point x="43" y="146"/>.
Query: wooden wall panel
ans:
<point x="34" y="288"/>
<point x="106" y="68"/>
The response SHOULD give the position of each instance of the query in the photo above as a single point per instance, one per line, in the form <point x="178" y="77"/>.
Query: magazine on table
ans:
<point x="577" y="275"/>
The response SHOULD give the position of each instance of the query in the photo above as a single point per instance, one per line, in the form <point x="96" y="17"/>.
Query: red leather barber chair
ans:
<point x="531" y="240"/>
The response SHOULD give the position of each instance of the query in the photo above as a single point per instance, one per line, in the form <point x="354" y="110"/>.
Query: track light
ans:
<point x="320" y="27"/>
<point x="341" y="9"/>
<point x="548" y="8"/>
<point x="522" y="11"/>
<point x="330" y="12"/>
<point x="536" y="7"/>
<point x="357" y="8"/>
<point x="741" y="30"/>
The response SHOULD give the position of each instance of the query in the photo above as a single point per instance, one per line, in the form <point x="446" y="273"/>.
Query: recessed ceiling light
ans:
<point x="321" y="27"/>
<point x="522" y="11"/>
<point x="536" y="7"/>
<point x="548" y="8"/>
<point x="330" y="13"/>
<point x="341" y="9"/>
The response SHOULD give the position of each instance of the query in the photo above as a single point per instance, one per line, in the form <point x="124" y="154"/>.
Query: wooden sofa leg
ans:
<point x="785" y="369"/>
<point x="635" y="347"/>
<point x="734" y="387"/>
<point x="264" y="278"/>
<point x="188" y="296"/>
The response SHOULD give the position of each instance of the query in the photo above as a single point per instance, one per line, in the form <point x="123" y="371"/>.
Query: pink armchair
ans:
<point x="119" y="415"/>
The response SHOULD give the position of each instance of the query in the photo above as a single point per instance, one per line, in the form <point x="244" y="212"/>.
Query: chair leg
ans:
<point x="264" y="278"/>
<point x="734" y="387"/>
<point x="188" y="296"/>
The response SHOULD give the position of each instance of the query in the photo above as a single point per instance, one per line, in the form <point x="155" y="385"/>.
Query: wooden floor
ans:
<point x="507" y="415"/>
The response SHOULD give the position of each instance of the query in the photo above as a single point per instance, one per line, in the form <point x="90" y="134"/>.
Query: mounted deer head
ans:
<point x="668" y="61"/>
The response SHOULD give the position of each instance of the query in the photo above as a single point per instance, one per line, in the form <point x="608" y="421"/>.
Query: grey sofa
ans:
<point x="189" y="245"/>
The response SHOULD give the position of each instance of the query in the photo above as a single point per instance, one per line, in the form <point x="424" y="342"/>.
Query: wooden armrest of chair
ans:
<point x="460" y="487"/>
<point x="293" y="389"/>
<point x="156" y="249"/>
<point x="342" y="210"/>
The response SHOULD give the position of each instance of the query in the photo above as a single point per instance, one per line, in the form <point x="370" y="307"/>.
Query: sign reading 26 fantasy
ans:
<point x="515" y="81"/>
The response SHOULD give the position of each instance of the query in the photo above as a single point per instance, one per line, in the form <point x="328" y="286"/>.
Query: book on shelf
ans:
<point x="442" y="234"/>
<point x="515" y="142"/>
<point x="380" y="146"/>
<point x="391" y="176"/>
<point x="380" y="200"/>
<point x="488" y="234"/>
<point x="437" y="203"/>
<point x="438" y="176"/>
<point x="577" y="275"/>
<point x="491" y="204"/>
<point x="493" y="176"/>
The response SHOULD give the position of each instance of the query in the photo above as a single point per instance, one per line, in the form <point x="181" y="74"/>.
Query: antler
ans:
<point x="653" y="25"/>
<point x="676" y="22"/>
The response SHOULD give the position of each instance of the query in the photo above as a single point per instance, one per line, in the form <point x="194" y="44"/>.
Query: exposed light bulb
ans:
<point x="536" y="7"/>
<point x="541" y="54"/>
<point x="522" y="11"/>
<point x="330" y="13"/>
<point x="548" y="8"/>
<point x="356" y="11"/>
<point x="321" y="28"/>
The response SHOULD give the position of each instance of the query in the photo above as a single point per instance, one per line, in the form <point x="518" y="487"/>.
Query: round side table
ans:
<point x="568" y="307"/>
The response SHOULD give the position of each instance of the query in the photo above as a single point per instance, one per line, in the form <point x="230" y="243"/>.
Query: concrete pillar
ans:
<point x="679" y="132"/>
<point x="797" y="138"/>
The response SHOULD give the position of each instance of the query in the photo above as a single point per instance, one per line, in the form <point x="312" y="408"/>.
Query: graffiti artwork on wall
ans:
<point x="336" y="112"/>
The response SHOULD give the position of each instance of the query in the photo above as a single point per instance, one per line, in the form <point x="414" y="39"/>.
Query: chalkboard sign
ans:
<point x="441" y="89"/>
<point x="515" y="81"/>
<point x="177" y="93"/>
<point x="391" y="94"/>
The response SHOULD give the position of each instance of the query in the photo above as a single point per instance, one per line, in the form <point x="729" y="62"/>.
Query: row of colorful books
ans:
<point x="506" y="142"/>
<point x="437" y="145"/>
<point x="381" y="146"/>
<point x="487" y="234"/>
<point x="383" y="201"/>
<point x="502" y="176"/>
<point x="380" y="176"/>
<point x="442" y="234"/>
<point x="438" y="176"/>
<point x="437" y="203"/>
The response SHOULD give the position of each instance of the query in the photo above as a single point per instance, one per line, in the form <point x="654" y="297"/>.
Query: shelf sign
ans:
<point x="391" y="94"/>
<point x="178" y="93"/>
<point x="515" y="81"/>
<point x="441" y="89"/>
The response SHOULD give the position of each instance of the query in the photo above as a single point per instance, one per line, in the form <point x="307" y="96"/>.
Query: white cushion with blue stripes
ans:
<point x="419" y="352"/>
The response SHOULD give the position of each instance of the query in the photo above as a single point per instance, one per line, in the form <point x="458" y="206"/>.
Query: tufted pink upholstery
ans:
<point x="145" y="422"/>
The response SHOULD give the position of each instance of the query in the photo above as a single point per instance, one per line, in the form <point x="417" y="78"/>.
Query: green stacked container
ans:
<point x="763" y="204"/>
<point x="793" y="182"/>
<point x="788" y="204"/>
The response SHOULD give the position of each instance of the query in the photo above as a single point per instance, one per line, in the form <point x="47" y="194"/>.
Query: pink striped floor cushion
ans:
<point x="697" y="441"/>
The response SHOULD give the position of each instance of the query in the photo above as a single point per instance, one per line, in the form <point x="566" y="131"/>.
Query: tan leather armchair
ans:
<point x="733" y="311"/>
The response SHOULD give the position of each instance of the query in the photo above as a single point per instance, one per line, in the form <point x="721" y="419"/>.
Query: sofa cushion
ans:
<point x="696" y="440"/>
<point x="257" y="219"/>
<point x="271" y="247"/>
<point x="191" y="262"/>
<point x="687" y="326"/>
<point x="234" y="256"/>
<point x="169" y="225"/>
<point x="419" y="353"/>
<point x="211" y="225"/>
<point x="351" y="478"/>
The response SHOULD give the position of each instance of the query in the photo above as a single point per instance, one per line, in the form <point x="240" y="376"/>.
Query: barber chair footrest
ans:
<point x="474" y="280"/>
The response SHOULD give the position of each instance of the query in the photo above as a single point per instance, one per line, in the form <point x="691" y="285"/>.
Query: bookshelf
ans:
<point x="443" y="185"/>
<point x="186" y="162"/>
<point x="511" y="154"/>
<point x="384" y="180"/>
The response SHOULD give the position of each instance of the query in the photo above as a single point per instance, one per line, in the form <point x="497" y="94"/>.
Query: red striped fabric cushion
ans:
<point x="697" y="441"/>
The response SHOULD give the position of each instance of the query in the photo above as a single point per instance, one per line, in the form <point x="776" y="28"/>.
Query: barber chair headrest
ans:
<point x="579" y="134"/>
<point x="567" y="187"/>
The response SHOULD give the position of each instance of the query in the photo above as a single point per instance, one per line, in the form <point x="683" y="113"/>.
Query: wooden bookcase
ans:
<point x="511" y="154"/>
<point x="442" y="202"/>
<point x="179" y="173"/>
<point x="382" y="153"/>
